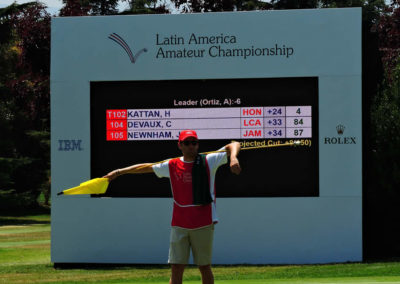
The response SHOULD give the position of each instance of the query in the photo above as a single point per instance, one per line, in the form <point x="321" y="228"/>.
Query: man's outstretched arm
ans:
<point x="233" y="150"/>
<point x="135" y="169"/>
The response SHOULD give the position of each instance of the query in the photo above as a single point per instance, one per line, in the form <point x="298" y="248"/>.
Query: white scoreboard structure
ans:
<point x="123" y="87"/>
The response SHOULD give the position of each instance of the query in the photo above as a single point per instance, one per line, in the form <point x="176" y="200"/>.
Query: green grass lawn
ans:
<point x="25" y="258"/>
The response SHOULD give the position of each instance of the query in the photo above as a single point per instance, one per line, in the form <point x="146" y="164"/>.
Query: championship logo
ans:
<point x="121" y="42"/>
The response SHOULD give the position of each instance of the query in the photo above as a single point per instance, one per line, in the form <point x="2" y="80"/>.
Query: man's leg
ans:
<point x="177" y="273"/>
<point x="207" y="276"/>
<point x="179" y="252"/>
<point x="201" y="241"/>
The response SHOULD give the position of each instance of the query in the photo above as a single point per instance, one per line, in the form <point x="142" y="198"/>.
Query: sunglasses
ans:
<point x="187" y="143"/>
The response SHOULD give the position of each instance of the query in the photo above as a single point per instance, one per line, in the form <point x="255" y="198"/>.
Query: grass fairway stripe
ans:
<point x="354" y="280"/>
<point x="22" y="243"/>
<point x="24" y="237"/>
<point x="308" y="281"/>
<point x="6" y="230"/>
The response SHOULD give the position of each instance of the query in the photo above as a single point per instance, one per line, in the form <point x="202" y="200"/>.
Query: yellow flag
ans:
<point x="93" y="186"/>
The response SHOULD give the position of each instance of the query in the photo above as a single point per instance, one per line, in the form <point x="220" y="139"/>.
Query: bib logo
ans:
<point x="119" y="40"/>
<point x="340" y="140"/>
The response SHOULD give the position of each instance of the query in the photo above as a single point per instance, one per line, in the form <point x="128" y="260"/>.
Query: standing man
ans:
<point x="193" y="189"/>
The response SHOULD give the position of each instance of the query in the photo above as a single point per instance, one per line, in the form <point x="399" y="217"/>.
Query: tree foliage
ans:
<point x="389" y="36"/>
<point x="24" y="97"/>
<point x="386" y="106"/>
<point x="200" y="6"/>
<point x="145" y="7"/>
<point x="104" y="7"/>
<point x="383" y="194"/>
<point x="109" y="7"/>
<point x="75" y="8"/>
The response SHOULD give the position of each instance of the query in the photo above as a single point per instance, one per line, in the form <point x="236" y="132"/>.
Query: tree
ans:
<point x="24" y="104"/>
<point x="295" y="4"/>
<point x="145" y="7"/>
<point x="383" y="194"/>
<point x="109" y="7"/>
<point x="197" y="6"/>
<point x="75" y="8"/>
<point x="104" y="7"/>
<point x="89" y="7"/>
<point x="389" y="36"/>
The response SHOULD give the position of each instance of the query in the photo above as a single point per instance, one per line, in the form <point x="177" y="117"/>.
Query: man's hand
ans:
<point x="235" y="166"/>
<point x="232" y="151"/>
<point x="112" y="175"/>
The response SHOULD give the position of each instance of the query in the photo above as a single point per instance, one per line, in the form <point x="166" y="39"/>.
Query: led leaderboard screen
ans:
<point x="140" y="121"/>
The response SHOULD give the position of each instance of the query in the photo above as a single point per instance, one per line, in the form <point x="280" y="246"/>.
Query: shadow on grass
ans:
<point x="11" y="221"/>
<point x="109" y="266"/>
<point x="122" y="266"/>
<point x="25" y="216"/>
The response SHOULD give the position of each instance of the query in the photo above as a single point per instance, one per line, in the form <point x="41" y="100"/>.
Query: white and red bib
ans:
<point x="185" y="214"/>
